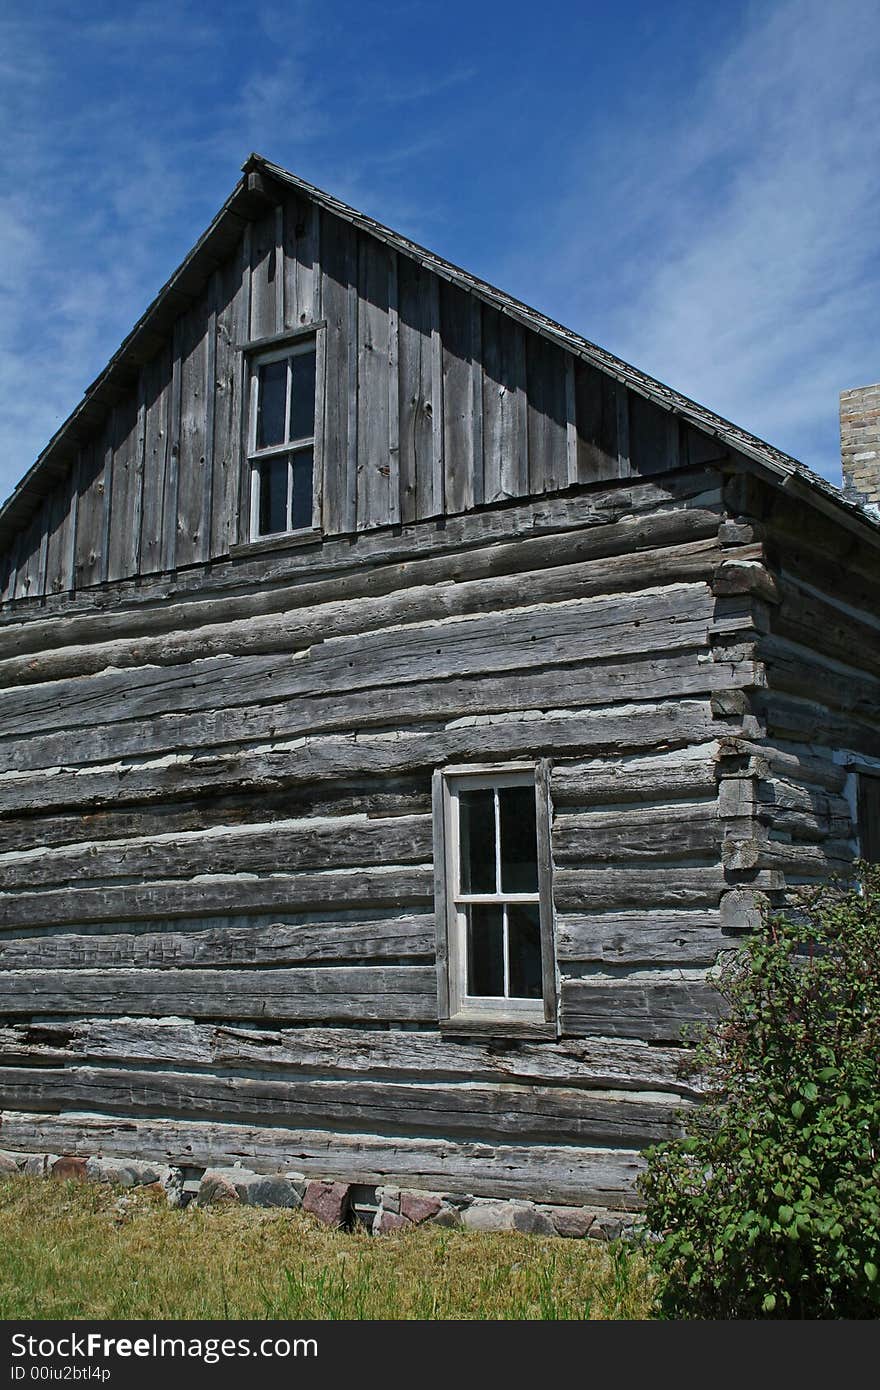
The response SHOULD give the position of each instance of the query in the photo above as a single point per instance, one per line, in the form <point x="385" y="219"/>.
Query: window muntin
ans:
<point x="496" y="898"/>
<point x="282" y="440"/>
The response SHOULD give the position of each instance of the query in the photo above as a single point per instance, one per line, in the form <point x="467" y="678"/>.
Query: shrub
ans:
<point x="769" y="1205"/>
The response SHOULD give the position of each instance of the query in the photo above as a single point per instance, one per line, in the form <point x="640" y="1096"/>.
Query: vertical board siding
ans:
<point x="230" y="330"/>
<point x="373" y="359"/>
<point x="431" y="403"/>
<point x="547" y="416"/>
<point x="265" y="271"/>
<point x="596" y="419"/>
<point x="192" y="456"/>
<point x="157" y="452"/>
<point x="90" y="512"/>
<point x="458" y="446"/>
<point x="126" y="459"/>
<point x="414" y="394"/>
<point x="339" y="272"/>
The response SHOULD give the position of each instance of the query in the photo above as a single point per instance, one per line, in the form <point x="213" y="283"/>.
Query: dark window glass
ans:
<point x="272" y="399"/>
<point x="302" y="489"/>
<point x="477" y="836"/>
<point x="302" y="396"/>
<point x="519" y="840"/>
<point x="524" y="950"/>
<point x="485" y="950"/>
<point x="273" y="495"/>
<point x="869" y="818"/>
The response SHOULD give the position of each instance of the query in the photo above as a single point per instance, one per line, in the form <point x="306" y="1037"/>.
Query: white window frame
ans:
<point x="458" y="1010"/>
<point x="296" y="347"/>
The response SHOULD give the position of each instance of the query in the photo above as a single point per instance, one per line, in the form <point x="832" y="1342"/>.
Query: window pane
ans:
<point x="272" y="399"/>
<point x="302" y="489"/>
<point x="272" y="474"/>
<point x="524" y="950"/>
<point x="485" y="950"/>
<point x="302" y="396"/>
<point x="519" y="840"/>
<point x="477" y="839"/>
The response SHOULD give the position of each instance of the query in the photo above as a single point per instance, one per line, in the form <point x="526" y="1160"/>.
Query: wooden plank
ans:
<point x="563" y="1173"/>
<point x="531" y="1113"/>
<point x="122" y="528"/>
<point x="621" y="1064"/>
<point x="369" y="993"/>
<point x="318" y="759"/>
<point x="172" y="484"/>
<point x="601" y="425"/>
<point x="90" y="512"/>
<point x="265" y="270"/>
<point x="193" y="462"/>
<point x="57" y="543"/>
<point x="665" y="1009"/>
<point x="438" y="458"/>
<point x="280" y="269"/>
<point x="685" y="540"/>
<point x="546" y="415"/>
<point x="641" y="937"/>
<point x="477" y="644"/>
<point x="414" y="392"/>
<point x="106" y="446"/>
<point x="69" y="572"/>
<point x="338" y="271"/>
<point x="505" y="425"/>
<point x="477" y="471"/>
<point x="203" y="547"/>
<point x="393" y="392"/>
<point x="588" y="890"/>
<point x="456" y="329"/>
<point x="157" y="459"/>
<point x="624" y="466"/>
<point x="302" y="261"/>
<point x="350" y="842"/>
<point x="228" y="405"/>
<point x="692" y="502"/>
<point x="227" y="941"/>
<point x="687" y="830"/>
<point x="409" y="703"/>
<point x="373" y="468"/>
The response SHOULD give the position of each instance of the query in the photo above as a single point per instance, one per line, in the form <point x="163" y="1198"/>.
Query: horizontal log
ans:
<point x="553" y="578"/>
<point x="531" y="1113"/>
<point x="309" y="761"/>
<point x="669" y="775"/>
<point x="222" y="942"/>
<point x="597" y="890"/>
<point x="363" y="993"/>
<point x="409" y="796"/>
<point x="624" y="836"/>
<point x="554" y="1172"/>
<point x="667" y="1009"/>
<point x="596" y="683"/>
<point x="232" y="893"/>
<point x="635" y="938"/>
<point x="681" y="506"/>
<point x="348" y="842"/>
<point x="676" y="617"/>
<point x="606" y="1063"/>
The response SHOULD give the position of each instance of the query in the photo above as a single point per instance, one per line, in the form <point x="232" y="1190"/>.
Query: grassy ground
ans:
<point x="71" y="1250"/>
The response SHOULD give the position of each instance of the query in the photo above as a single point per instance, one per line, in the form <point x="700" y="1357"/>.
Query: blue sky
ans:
<point x="693" y="186"/>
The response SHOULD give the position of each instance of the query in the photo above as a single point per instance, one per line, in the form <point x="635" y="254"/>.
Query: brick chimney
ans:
<point x="860" y="444"/>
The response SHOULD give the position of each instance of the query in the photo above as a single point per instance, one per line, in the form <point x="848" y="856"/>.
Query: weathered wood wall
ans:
<point x="216" y="914"/>
<point x="434" y="402"/>
<point x="817" y="708"/>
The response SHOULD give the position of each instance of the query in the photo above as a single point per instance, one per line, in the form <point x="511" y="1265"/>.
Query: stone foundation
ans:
<point x="380" y="1210"/>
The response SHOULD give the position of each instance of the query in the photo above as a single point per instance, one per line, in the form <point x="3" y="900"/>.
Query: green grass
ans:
<point x="70" y="1250"/>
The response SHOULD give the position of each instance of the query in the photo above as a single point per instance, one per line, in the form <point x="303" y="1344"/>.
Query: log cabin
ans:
<point x="404" y="705"/>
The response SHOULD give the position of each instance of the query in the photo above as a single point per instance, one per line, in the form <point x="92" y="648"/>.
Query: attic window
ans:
<point x="282" y="440"/>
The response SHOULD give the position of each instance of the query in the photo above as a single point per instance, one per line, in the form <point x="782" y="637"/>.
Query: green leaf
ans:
<point x="870" y="1271"/>
<point x="797" y="1109"/>
<point x="810" y="1090"/>
<point x="769" y="1302"/>
<point x="785" y="1214"/>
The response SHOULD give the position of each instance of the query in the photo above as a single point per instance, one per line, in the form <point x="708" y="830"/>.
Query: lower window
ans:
<point x="494" y="900"/>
